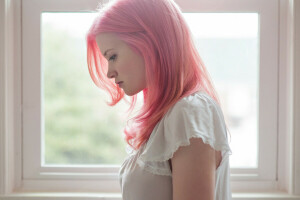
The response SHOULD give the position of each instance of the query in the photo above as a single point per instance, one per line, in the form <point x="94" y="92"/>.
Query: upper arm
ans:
<point x="193" y="171"/>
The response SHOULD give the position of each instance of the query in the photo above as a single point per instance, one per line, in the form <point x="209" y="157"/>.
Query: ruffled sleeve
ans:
<point x="194" y="116"/>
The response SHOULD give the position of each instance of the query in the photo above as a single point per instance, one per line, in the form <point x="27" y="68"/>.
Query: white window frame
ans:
<point x="32" y="120"/>
<point x="19" y="116"/>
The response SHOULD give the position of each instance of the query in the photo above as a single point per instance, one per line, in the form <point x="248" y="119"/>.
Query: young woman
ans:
<point x="178" y="141"/>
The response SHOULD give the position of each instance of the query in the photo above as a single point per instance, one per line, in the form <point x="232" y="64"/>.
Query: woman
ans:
<point x="178" y="141"/>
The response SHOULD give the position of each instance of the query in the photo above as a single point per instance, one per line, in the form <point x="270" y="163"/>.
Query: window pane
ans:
<point x="228" y="45"/>
<point x="79" y="128"/>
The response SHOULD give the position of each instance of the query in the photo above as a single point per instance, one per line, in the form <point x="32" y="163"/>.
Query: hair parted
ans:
<point x="157" y="30"/>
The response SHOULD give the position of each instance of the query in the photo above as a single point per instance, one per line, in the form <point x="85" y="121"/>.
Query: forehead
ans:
<point x="107" y="41"/>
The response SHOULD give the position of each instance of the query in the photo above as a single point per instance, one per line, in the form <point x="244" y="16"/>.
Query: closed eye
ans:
<point x="113" y="57"/>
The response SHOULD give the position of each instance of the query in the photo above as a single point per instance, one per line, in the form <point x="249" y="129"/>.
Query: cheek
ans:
<point x="127" y="67"/>
<point x="140" y="74"/>
<point x="133" y="67"/>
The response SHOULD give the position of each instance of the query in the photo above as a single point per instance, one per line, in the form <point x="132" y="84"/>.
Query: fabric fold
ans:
<point x="194" y="116"/>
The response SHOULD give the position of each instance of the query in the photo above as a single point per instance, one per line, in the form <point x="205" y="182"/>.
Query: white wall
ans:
<point x="10" y="75"/>
<point x="296" y="157"/>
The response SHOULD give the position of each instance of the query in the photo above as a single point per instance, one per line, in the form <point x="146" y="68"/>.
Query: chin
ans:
<point x="131" y="93"/>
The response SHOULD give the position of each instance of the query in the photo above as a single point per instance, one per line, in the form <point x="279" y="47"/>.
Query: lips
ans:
<point x="120" y="83"/>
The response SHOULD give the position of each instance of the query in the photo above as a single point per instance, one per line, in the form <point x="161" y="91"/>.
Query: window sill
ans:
<point x="117" y="196"/>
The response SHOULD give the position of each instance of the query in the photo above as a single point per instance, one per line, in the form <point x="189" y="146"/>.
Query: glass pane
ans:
<point x="228" y="45"/>
<point x="77" y="122"/>
<point x="79" y="127"/>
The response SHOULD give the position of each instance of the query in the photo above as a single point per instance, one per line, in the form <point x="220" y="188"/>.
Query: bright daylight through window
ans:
<point x="80" y="129"/>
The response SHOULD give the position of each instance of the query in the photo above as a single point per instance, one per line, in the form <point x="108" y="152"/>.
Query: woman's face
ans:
<point x="123" y="63"/>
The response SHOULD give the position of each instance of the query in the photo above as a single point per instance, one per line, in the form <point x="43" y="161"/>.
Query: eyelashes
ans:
<point x="113" y="57"/>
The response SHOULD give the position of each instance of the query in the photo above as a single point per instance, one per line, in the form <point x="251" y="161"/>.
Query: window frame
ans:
<point x="32" y="104"/>
<point x="47" y="183"/>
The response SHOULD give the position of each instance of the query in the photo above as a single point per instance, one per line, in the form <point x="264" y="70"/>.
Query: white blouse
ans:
<point x="146" y="175"/>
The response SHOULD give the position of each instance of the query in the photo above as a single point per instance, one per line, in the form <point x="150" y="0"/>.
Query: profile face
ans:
<point x="123" y="63"/>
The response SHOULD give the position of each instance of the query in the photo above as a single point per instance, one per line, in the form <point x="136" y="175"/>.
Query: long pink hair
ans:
<point x="157" y="30"/>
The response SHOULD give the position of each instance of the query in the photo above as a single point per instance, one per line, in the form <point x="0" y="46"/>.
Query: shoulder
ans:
<point x="197" y="112"/>
<point x="194" y="116"/>
<point x="194" y="103"/>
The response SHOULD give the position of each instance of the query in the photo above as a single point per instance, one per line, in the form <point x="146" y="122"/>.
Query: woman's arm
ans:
<point x="193" y="171"/>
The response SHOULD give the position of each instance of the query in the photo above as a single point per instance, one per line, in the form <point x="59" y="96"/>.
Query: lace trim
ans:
<point x="154" y="170"/>
<point x="186" y="143"/>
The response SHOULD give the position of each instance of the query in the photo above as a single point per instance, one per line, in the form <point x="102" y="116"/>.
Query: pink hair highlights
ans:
<point x="157" y="31"/>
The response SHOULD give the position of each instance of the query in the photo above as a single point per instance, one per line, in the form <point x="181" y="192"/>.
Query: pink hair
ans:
<point x="157" y="31"/>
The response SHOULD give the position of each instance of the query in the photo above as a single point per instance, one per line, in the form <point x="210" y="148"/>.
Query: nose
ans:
<point x="111" y="73"/>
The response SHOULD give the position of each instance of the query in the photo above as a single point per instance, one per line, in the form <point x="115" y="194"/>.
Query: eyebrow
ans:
<point x="106" y="52"/>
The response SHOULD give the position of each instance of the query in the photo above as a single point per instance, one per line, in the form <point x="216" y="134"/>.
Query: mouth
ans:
<point x="119" y="83"/>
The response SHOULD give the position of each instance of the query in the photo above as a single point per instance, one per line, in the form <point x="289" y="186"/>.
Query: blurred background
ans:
<point x="80" y="128"/>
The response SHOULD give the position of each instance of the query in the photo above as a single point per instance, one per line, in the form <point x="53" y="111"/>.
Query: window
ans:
<point x="63" y="115"/>
<point x="253" y="123"/>
<point x="77" y="125"/>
